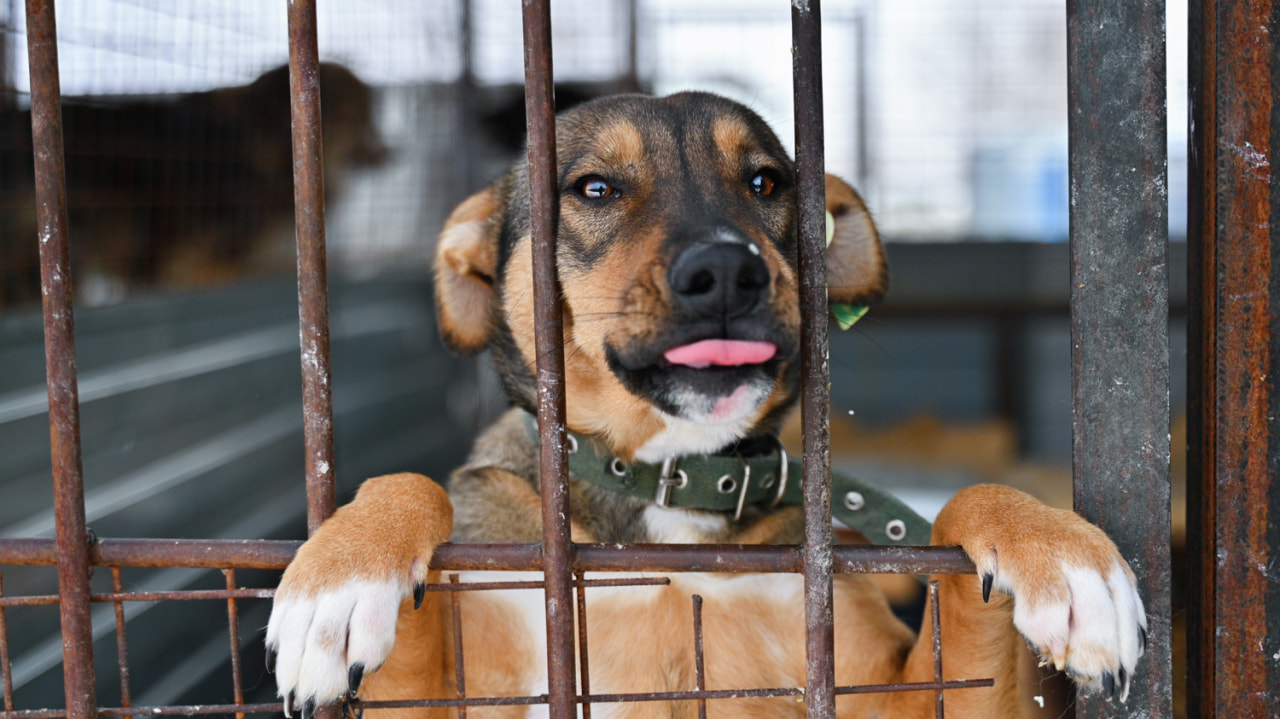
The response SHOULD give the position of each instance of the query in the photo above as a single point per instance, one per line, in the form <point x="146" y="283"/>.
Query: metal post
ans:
<point x="1233" y="463"/>
<point x="820" y="681"/>
<point x="1120" y="308"/>
<point x="557" y="550"/>
<point x="60" y="361"/>
<point x="313" y="298"/>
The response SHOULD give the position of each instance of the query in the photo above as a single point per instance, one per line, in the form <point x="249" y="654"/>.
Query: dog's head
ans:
<point x="676" y="251"/>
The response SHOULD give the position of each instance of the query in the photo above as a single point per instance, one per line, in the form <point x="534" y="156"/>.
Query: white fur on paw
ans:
<point x="1095" y="633"/>
<point x="317" y="639"/>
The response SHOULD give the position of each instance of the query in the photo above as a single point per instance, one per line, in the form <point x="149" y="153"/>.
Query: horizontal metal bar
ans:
<point x="691" y="695"/>
<point x="729" y="558"/>
<point x="192" y="709"/>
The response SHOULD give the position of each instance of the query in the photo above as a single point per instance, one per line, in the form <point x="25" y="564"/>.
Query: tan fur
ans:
<point x="384" y="506"/>
<point x="466" y="260"/>
<point x="856" y="269"/>
<point x="613" y="256"/>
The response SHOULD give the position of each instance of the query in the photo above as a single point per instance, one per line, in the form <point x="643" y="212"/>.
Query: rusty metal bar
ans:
<point x="936" y="615"/>
<point x="196" y="553"/>
<point x="1233" y="463"/>
<point x="313" y="290"/>
<point x="233" y="628"/>
<point x="806" y="46"/>
<point x="276" y="708"/>
<point x="584" y="666"/>
<point x="557" y="549"/>
<point x="313" y="294"/>
<point x="1120" y="309"/>
<point x="122" y="646"/>
<point x="60" y="360"/>
<point x="699" y="663"/>
<point x="275" y="554"/>
<point x="693" y="695"/>
<point x="6" y="669"/>
<point x="459" y="670"/>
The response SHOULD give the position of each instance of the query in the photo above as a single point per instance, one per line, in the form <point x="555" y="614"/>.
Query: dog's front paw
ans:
<point x="1075" y="599"/>
<point x="334" y="614"/>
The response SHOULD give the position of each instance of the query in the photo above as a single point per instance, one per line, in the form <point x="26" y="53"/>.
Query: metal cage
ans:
<point x="1119" y="300"/>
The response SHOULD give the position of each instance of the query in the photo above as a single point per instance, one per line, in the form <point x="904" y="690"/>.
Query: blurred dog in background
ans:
<point x="176" y="191"/>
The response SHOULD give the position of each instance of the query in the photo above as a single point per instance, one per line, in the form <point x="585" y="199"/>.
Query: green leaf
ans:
<point x="847" y="315"/>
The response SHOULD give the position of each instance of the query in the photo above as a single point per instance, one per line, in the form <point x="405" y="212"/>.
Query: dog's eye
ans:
<point x="595" y="188"/>
<point x="762" y="184"/>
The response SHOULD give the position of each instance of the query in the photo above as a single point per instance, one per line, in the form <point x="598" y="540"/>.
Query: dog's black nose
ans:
<point x="718" y="280"/>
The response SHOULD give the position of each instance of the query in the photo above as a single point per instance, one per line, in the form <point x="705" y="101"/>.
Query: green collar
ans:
<point x="729" y="483"/>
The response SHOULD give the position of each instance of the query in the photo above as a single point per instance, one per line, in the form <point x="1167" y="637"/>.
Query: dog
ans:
<point x="677" y="255"/>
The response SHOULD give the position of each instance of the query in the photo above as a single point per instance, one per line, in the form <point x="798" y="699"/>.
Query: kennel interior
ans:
<point x="953" y="121"/>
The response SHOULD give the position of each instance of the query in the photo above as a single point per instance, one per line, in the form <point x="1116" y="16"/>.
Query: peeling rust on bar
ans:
<point x="1233" y="413"/>
<point x="313" y="295"/>
<point x="275" y="554"/>
<point x="122" y="646"/>
<point x="806" y="47"/>
<point x="60" y="360"/>
<point x="557" y="549"/>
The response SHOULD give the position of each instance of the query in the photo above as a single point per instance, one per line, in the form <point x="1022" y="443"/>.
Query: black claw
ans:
<point x="354" y="675"/>
<point x="289" y="700"/>
<point x="271" y="660"/>
<point x="1142" y="641"/>
<point x="309" y="708"/>
<point x="419" y="592"/>
<point x="986" y="587"/>
<point x="1108" y="685"/>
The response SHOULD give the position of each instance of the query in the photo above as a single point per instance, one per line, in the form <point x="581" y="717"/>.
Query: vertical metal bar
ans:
<point x="1120" y="308"/>
<point x="6" y="668"/>
<point x="699" y="657"/>
<point x="806" y="34"/>
<point x="313" y="299"/>
<point x="465" y="111"/>
<point x="557" y="550"/>
<point x="60" y="361"/>
<point x="122" y="646"/>
<point x="459" y="668"/>
<point x="584" y="665"/>
<point x="233" y="628"/>
<point x="1233" y="469"/>
<point x="313" y="291"/>
<point x="936" y="614"/>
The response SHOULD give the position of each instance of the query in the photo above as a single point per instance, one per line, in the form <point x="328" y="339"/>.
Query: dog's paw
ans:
<point x="1075" y="599"/>
<point x="334" y="614"/>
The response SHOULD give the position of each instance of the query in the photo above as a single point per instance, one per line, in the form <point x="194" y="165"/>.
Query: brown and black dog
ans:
<point x="677" y="255"/>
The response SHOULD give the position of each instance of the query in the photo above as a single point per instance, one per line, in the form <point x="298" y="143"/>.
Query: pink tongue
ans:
<point x="723" y="353"/>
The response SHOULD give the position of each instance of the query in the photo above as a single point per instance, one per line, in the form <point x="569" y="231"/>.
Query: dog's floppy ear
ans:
<point x="466" y="264"/>
<point x="857" y="273"/>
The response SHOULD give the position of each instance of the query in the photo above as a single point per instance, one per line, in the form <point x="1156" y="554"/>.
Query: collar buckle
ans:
<point x="670" y="480"/>
<point x="783" y="470"/>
